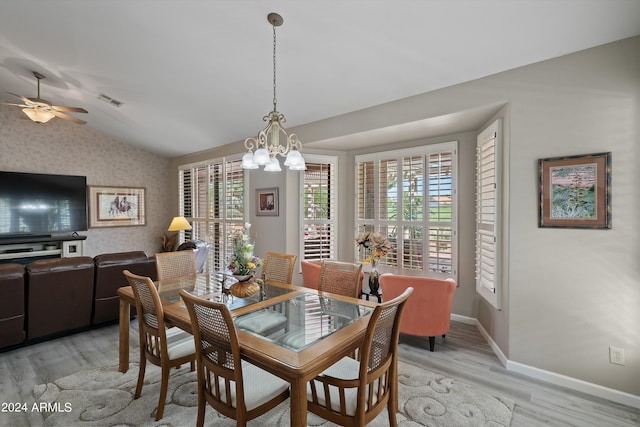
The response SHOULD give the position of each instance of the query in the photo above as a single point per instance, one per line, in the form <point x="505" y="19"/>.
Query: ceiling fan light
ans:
<point x="37" y="115"/>
<point x="261" y="157"/>
<point x="273" y="166"/>
<point x="247" y="161"/>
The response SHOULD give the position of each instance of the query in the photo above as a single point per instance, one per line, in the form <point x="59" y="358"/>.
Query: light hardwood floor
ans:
<point x="463" y="355"/>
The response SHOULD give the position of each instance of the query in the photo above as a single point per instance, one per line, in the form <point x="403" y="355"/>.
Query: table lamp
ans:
<point x="169" y="242"/>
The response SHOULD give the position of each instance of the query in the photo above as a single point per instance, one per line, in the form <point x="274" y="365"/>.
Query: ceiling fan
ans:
<point x="41" y="111"/>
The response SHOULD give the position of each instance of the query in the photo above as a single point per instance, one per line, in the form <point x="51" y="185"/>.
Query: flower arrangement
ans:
<point x="375" y="244"/>
<point x="242" y="261"/>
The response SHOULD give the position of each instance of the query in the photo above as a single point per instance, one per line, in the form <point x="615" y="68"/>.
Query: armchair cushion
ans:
<point x="428" y="311"/>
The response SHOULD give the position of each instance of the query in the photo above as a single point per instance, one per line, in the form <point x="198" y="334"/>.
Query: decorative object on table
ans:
<point x="246" y="288"/>
<point x="116" y="206"/>
<point x="267" y="144"/>
<point x="575" y="191"/>
<point x="375" y="246"/>
<point x="170" y="241"/>
<point x="267" y="202"/>
<point x="242" y="261"/>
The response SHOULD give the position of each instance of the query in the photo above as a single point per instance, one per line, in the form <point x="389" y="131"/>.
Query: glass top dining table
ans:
<point x="294" y="323"/>
<point x="288" y="330"/>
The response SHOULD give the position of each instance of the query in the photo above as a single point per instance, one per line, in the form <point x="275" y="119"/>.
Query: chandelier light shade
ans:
<point x="264" y="149"/>
<point x="179" y="223"/>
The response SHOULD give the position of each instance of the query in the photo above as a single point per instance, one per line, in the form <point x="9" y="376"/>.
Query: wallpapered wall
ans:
<point x="63" y="147"/>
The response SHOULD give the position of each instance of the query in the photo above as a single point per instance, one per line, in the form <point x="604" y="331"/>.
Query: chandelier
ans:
<point x="264" y="148"/>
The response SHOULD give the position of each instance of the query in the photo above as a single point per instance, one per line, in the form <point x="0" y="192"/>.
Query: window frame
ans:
<point x="332" y="222"/>
<point x="377" y="223"/>
<point x="204" y="224"/>
<point x="489" y="279"/>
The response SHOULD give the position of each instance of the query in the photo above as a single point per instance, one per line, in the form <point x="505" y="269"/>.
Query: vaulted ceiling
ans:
<point x="196" y="74"/>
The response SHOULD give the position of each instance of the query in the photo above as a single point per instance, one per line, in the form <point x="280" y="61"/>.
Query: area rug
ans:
<point x="104" y="397"/>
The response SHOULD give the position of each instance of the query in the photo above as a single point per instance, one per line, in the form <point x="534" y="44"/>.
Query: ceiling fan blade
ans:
<point x="69" y="109"/>
<point x="68" y="117"/>
<point x="16" y="105"/>
<point x="25" y="100"/>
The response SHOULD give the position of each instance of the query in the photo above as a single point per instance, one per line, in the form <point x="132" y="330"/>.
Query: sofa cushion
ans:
<point x="60" y="295"/>
<point x="12" y="305"/>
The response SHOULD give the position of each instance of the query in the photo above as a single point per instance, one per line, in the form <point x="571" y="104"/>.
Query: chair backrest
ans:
<point x="383" y="330"/>
<point x="278" y="267"/>
<point x="151" y="324"/>
<point x="171" y="265"/>
<point x="379" y="354"/>
<point x="218" y="354"/>
<point x="340" y="278"/>
<point x="428" y="313"/>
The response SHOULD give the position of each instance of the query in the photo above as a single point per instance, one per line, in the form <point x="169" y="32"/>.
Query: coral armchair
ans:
<point x="310" y="273"/>
<point x="428" y="311"/>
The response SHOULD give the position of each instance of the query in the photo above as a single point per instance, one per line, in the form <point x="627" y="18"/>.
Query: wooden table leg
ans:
<point x="124" y="336"/>
<point x="299" y="402"/>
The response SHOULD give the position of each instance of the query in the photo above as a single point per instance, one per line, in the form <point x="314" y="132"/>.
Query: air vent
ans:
<point x="110" y="100"/>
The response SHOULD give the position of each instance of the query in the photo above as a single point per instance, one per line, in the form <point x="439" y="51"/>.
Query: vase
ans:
<point x="374" y="284"/>
<point x="244" y="289"/>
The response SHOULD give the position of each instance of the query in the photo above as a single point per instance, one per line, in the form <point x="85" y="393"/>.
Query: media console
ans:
<point x="24" y="249"/>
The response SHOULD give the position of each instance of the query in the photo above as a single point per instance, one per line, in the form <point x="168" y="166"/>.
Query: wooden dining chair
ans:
<point x="278" y="268"/>
<point x="171" y="265"/>
<point x="339" y="396"/>
<point x="342" y="278"/>
<point x="162" y="346"/>
<point x="233" y="387"/>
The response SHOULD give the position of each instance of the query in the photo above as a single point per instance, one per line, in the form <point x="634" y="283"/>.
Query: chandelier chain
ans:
<point x="274" y="69"/>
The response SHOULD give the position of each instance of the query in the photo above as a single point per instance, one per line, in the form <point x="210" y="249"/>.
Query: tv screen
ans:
<point x="42" y="204"/>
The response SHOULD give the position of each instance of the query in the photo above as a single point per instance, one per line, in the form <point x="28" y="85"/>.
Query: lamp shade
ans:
<point x="179" y="223"/>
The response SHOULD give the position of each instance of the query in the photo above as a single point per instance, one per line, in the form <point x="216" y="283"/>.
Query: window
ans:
<point x="319" y="208"/>
<point x="212" y="197"/>
<point x="488" y="213"/>
<point x="410" y="197"/>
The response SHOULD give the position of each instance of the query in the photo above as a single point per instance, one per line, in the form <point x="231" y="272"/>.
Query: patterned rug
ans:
<point x="104" y="397"/>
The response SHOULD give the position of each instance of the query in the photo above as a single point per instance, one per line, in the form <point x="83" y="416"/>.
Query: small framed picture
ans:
<point x="575" y="191"/>
<point x="267" y="202"/>
<point x="116" y="206"/>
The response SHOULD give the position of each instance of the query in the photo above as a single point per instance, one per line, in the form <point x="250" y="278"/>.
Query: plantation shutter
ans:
<point x="409" y="197"/>
<point x="319" y="209"/>
<point x="487" y="214"/>
<point x="212" y="199"/>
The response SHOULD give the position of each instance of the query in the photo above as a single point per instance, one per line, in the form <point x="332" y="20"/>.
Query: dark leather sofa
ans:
<point x="12" y="306"/>
<point x="54" y="297"/>
<point x="59" y="295"/>
<point x="109" y="278"/>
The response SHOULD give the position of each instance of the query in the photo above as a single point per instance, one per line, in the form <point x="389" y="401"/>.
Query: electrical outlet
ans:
<point x="616" y="355"/>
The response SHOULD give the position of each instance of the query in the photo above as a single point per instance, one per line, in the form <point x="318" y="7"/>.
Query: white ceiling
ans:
<point x="195" y="74"/>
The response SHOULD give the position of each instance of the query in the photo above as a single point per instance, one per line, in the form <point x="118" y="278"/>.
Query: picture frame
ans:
<point x="116" y="206"/>
<point x="267" y="202"/>
<point x="575" y="191"/>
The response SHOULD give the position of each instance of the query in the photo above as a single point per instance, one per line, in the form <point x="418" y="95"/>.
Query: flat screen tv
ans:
<point x="42" y="204"/>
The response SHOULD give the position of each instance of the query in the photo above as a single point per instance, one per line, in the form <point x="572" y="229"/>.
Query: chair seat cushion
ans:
<point x="179" y="343"/>
<point x="348" y="369"/>
<point x="259" y="386"/>
<point x="261" y="322"/>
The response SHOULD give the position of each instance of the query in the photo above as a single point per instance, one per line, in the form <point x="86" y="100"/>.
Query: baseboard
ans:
<point x="551" y="377"/>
